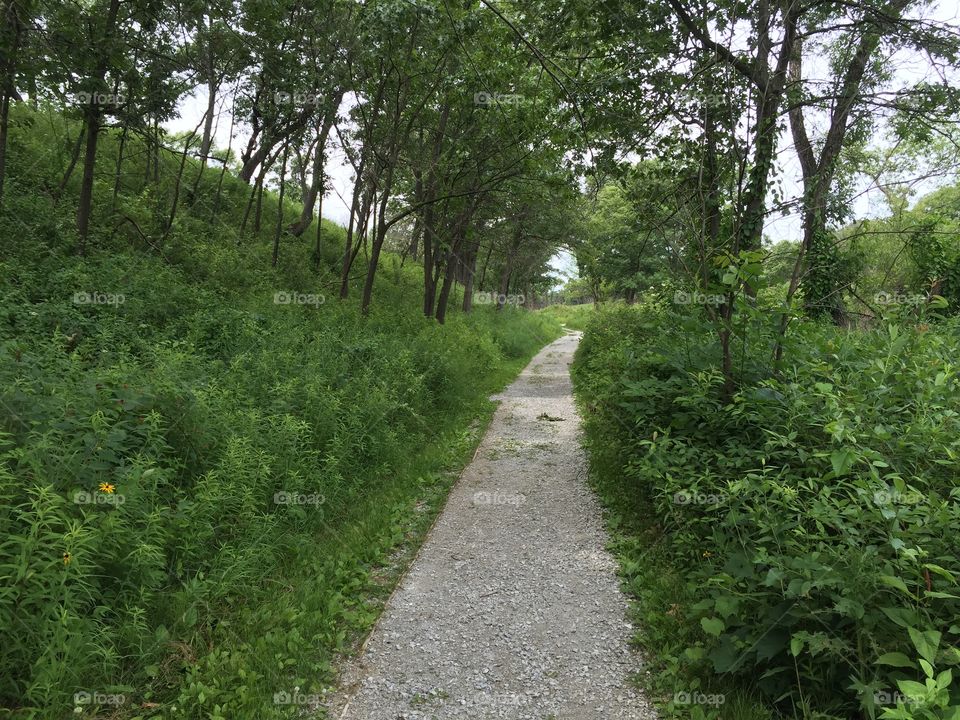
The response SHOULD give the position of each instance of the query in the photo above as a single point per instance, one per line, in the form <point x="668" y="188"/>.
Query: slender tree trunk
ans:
<point x="156" y="149"/>
<point x="315" y="190"/>
<point x="86" y="183"/>
<point x="444" y="297"/>
<point x="226" y="160"/>
<point x="118" y="172"/>
<point x="257" y="186"/>
<point x="348" y="254"/>
<point x="503" y="288"/>
<point x="74" y="157"/>
<point x="212" y="87"/>
<point x="486" y="263"/>
<point x="12" y="19"/>
<point x="379" y="236"/>
<point x="430" y="239"/>
<point x="93" y="129"/>
<point x="454" y="261"/>
<point x="258" y="215"/>
<point x="316" y="253"/>
<point x="179" y="181"/>
<point x="148" y="151"/>
<point x="471" y="269"/>
<point x="283" y="184"/>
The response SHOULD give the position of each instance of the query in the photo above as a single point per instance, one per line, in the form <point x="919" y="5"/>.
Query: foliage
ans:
<point x="206" y="462"/>
<point x="809" y="520"/>
<point x="572" y="317"/>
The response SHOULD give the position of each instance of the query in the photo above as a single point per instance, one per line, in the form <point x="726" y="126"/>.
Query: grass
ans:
<point x="572" y="317"/>
<point x="151" y="569"/>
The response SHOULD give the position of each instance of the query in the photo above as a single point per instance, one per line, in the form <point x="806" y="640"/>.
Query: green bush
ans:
<point x="811" y="519"/>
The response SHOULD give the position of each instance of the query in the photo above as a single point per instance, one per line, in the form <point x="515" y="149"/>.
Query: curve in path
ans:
<point x="512" y="608"/>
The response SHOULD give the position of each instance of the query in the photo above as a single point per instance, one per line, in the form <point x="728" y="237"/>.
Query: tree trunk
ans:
<point x="316" y="252"/>
<point x="430" y="239"/>
<point x="315" y="189"/>
<point x="119" y="168"/>
<point x="471" y="269"/>
<point x="444" y="297"/>
<point x="258" y="215"/>
<point x="92" y="128"/>
<point x="212" y="86"/>
<point x="73" y="163"/>
<point x="379" y="236"/>
<point x="226" y="160"/>
<point x="283" y="185"/>
<point x="7" y="85"/>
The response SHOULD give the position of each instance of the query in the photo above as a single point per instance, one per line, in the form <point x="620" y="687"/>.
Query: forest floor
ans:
<point x="512" y="607"/>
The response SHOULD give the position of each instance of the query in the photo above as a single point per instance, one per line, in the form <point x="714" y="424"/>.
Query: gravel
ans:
<point x="512" y="608"/>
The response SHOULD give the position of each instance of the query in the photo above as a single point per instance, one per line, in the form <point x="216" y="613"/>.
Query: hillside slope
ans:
<point x="206" y="459"/>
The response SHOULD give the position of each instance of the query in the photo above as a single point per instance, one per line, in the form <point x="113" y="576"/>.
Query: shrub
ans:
<point x="811" y="517"/>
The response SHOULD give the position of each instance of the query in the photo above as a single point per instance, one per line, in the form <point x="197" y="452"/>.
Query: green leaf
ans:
<point x="712" y="626"/>
<point x="796" y="645"/>
<point x="842" y="460"/>
<point x="926" y="642"/>
<point x="895" y="582"/>
<point x="896" y="659"/>
<point x="912" y="689"/>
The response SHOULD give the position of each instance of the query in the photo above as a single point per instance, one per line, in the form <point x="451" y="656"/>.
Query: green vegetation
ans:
<point x="573" y="317"/>
<point x="204" y="483"/>
<point x="794" y="542"/>
<point x="223" y="420"/>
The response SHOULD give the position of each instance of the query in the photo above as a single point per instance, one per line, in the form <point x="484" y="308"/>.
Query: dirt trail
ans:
<point x="512" y="607"/>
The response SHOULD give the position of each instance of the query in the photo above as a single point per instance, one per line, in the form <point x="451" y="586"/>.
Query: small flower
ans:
<point x="66" y="558"/>
<point x="107" y="488"/>
<point x="707" y="553"/>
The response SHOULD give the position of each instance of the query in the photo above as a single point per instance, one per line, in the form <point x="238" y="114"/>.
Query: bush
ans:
<point x="811" y="518"/>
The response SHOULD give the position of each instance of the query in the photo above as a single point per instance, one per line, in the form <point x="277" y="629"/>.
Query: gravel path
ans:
<point x="512" y="607"/>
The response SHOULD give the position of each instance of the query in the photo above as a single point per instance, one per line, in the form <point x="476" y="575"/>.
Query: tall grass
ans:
<point x="203" y="485"/>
